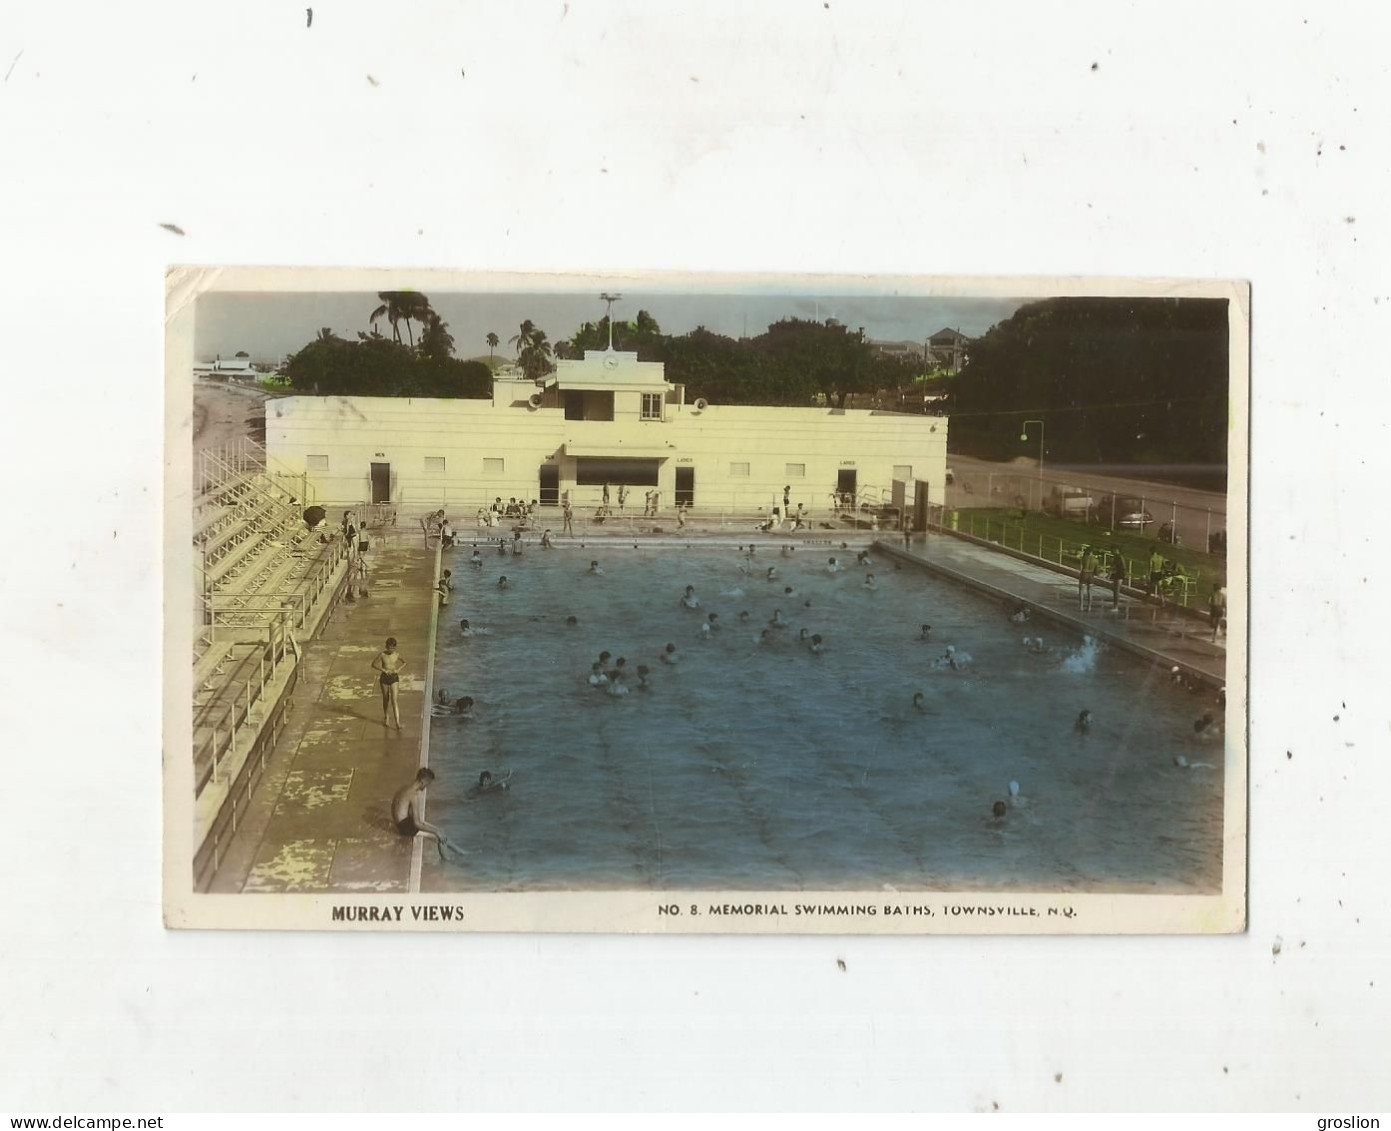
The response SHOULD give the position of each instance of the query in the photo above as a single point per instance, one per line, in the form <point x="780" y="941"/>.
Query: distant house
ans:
<point x="910" y="351"/>
<point x="227" y="368"/>
<point x="946" y="349"/>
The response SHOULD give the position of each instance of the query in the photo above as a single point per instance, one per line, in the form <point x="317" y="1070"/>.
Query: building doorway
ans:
<point x="685" y="486"/>
<point x="845" y="488"/>
<point x="550" y="485"/>
<point x="381" y="482"/>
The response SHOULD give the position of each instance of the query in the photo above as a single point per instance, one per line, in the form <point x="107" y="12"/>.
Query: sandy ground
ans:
<point x="224" y="413"/>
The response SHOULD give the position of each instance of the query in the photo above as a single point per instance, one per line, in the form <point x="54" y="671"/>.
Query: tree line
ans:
<point x="1115" y="381"/>
<point x="374" y="364"/>
<point x="794" y="362"/>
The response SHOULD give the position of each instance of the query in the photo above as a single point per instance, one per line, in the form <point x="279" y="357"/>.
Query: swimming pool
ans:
<point x="767" y="767"/>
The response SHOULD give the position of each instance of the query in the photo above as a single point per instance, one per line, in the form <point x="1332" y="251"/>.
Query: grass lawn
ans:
<point x="1061" y="540"/>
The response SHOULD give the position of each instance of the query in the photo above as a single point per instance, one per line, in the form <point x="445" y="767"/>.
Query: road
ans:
<point x="1195" y="513"/>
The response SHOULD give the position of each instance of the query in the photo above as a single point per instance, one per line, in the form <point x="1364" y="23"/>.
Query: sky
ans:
<point x="270" y="325"/>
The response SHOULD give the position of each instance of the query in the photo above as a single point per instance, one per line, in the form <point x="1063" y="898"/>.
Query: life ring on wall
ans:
<point x="700" y="404"/>
<point x="534" y="401"/>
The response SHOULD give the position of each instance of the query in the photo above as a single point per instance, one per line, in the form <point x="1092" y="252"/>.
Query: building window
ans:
<point x="316" y="463"/>
<point x="738" y="469"/>
<point x="651" y="406"/>
<point x="492" y="466"/>
<point x="796" y="471"/>
<point x="434" y="465"/>
<point x="903" y="471"/>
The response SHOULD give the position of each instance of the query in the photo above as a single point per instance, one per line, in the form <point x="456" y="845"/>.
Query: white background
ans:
<point x="1175" y="139"/>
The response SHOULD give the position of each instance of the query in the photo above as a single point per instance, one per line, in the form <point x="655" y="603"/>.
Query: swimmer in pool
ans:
<point x="408" y="811"/>
<point x="918" y="704"/>
<point x="772" y="574"/>
<point x="803" y="637"/>
<point x="998" y="810"/>
<point x="441" y="698"/>
<point x="571" y="621"/>
<point x="596" y="569"/>
<point x="597" y="678"/>
<point x="546" y="540"/>
<point x="502" y="546"/>
<point x="862" y="558"/>
<point x="689" y="598"/>
<point x="486" y="784"/>
<point x="502" y="582"/>
<point x="616" y="685"/>
<point x="788" y="591"/>
<point x="388" y="665"/>
<point x="949" y="658"/>
<point x="869" y="581"/>
<point x="604" y="658"/>
<point x="816" y="646"/>
<point x="465" y="628"/>
<point x="643" y="683"/>
<point x="765" y="636"/>
<point x="476" y="560"/>
<point x="1036" y="645"/>
<point x="743" y="615"/>
<point x="777" y="620"/>
<point x="620" y="669"/>
<point x="669" y="655"/>
<point x="1083" y="723"/>
<point x="926" y="633"/>
<point x="713" y="621"/>
<point x="705" y="630"/>
<point x="1184" y="764"/>
<point x="1019" y="615"/>
<point x="832" y="566"/>
<point x="1206" y="727"/>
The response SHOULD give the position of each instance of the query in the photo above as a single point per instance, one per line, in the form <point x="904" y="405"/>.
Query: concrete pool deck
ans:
<point x="320" y="820"/>
<point x="1167" y="637"/>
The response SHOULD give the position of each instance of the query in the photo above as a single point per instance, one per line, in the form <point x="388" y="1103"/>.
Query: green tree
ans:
<point x="435" y="341"/>
<point x="1117" y="381"/>
<point x="535" y="357"/>
<point x="402" y="306"/>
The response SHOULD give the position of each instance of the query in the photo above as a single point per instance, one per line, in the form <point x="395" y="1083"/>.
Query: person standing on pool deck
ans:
<point x="1217" y="608"/>
<point x="388" y="664"/>
<point x="408" y="810"/>
<point x="1086" y="571"/>
<point x="907" y="531"/>
<point x="1117" y="576"/>
<point x="568" y="514"/>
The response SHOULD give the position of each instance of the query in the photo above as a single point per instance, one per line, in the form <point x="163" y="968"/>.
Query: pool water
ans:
<point x="765" y="766"/>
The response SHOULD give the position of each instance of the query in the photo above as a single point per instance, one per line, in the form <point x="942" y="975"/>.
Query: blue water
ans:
<point x="764" y="766"/>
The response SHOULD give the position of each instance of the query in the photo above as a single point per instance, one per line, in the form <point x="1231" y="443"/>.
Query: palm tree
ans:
<point x="399" y="306"/>
<point x="492" y="340"/>
<point x="523" y="337"/>
<point x="535" y="358"/>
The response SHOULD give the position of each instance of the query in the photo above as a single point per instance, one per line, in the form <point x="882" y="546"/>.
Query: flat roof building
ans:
<point x="607" y="418"/>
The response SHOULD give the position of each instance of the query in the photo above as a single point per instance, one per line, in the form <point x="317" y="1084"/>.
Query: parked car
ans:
<point x="1068" y="502"/>
<point x="1128" y="511"/>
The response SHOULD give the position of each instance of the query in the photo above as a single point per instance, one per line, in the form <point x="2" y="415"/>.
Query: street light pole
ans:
<point x="1023" y="436"/>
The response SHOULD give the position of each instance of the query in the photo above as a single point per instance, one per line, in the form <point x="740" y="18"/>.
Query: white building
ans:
<point x="608" y="418"/>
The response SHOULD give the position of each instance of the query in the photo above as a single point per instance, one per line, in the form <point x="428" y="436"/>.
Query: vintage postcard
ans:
<point x="696" y="603"/>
